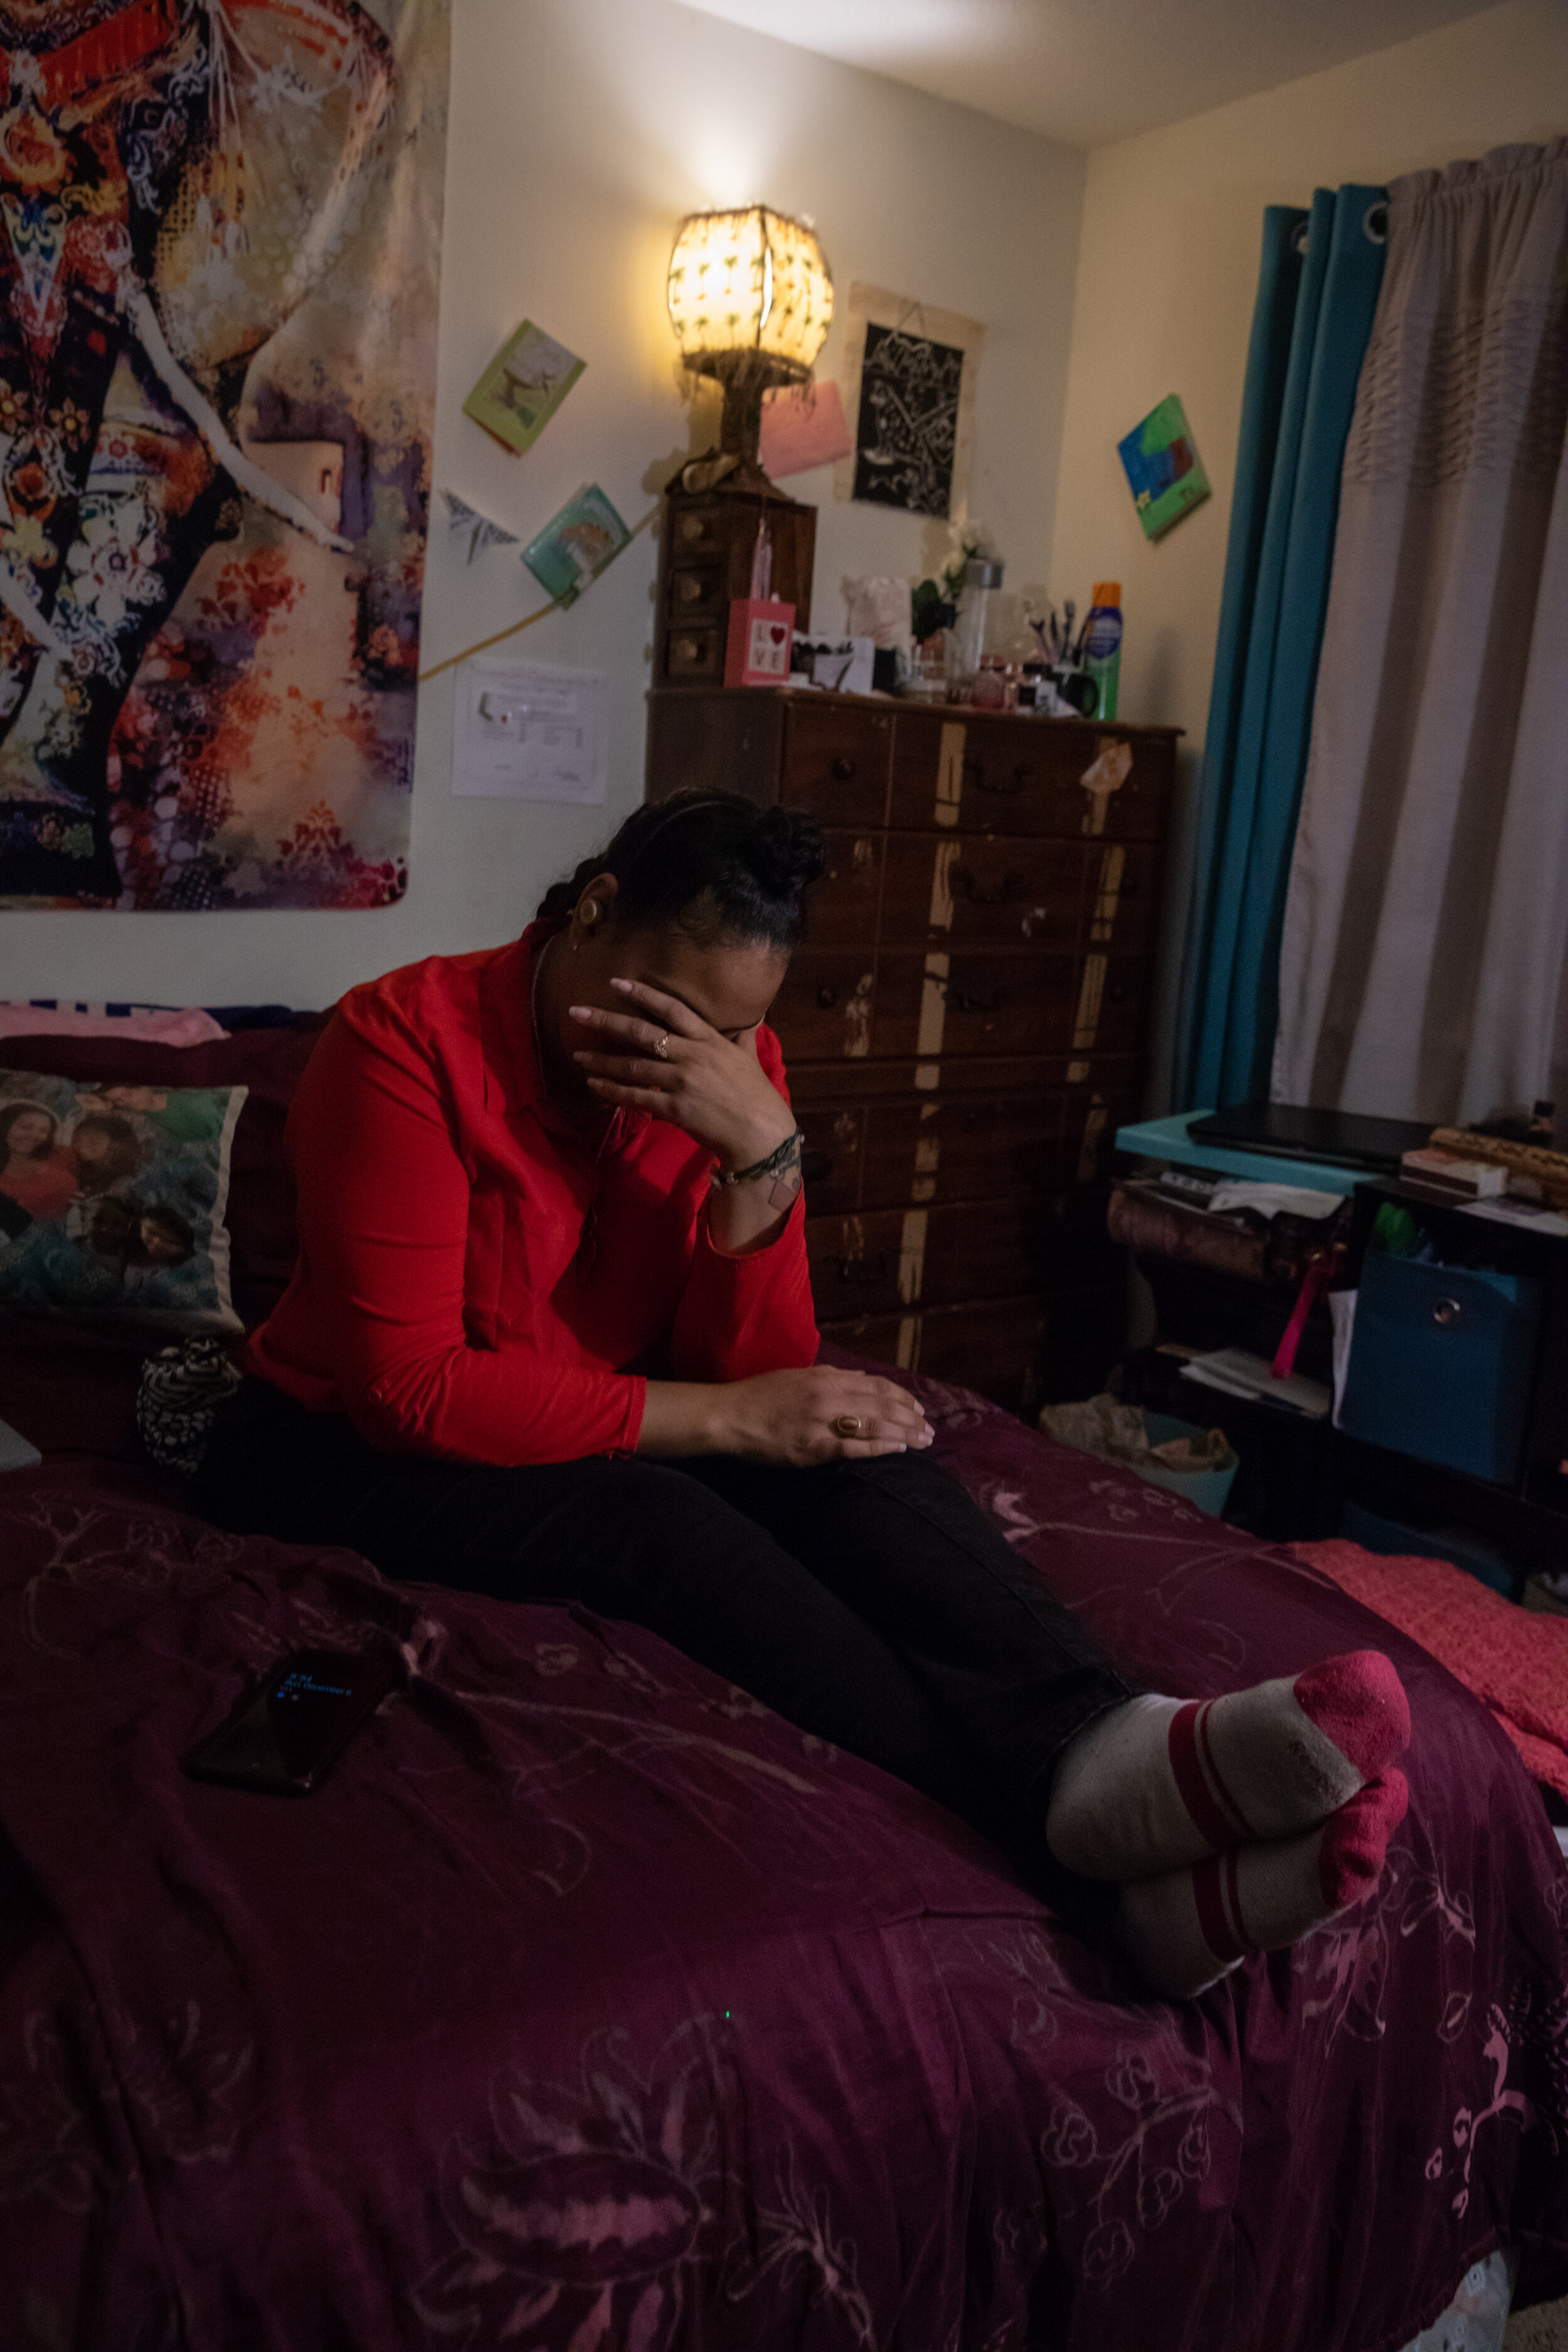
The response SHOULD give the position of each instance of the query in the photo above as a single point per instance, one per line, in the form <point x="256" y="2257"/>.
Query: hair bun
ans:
<point x="783" y="850"/>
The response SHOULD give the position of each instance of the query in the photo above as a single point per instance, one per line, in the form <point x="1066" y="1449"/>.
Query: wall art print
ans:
<point x="909" y="373"/>
<point x="219" y="234"/>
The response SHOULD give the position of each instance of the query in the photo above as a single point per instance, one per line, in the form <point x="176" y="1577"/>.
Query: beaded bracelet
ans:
<point x="771" y="1166"/>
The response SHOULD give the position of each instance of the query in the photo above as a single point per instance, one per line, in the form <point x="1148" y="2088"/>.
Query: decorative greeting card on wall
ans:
<point x="909" y="388"/>
<point x="218" y="373"/>
<point x="575" y="546"/>
<point x="523" y="386"/>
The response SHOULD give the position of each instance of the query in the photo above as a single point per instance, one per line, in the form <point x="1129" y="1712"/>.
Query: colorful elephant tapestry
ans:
<point x="219" y="234"/>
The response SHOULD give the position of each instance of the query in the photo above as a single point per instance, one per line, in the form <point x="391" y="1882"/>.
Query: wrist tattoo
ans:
<point x="783" y="1166"/>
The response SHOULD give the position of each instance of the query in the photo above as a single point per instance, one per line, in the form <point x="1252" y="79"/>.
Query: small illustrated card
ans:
<point x="523" y="386"/>
<point x="1164" y="470"/>
<point x="757" y="652"/>
<point x="574" y="548"/>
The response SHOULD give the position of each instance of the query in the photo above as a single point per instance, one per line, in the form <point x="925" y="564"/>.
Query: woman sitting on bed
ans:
<point x="550" y="1338"/>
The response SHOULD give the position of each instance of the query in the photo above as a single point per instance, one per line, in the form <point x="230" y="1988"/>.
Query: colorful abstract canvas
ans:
<point x="1164" y="472"/>
<point x="219" y="231"/>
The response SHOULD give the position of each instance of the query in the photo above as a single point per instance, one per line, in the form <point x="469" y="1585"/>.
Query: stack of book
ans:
<point x="1439" y="1175"/>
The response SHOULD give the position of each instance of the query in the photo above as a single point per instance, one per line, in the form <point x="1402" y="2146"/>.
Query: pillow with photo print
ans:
<point x="113" y="1198"/>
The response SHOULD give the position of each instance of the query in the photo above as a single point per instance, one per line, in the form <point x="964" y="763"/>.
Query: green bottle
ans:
<point x="1102" y="645"/>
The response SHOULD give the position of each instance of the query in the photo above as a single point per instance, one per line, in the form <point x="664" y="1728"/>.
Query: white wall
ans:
<point x="1167" y="278"/>
<point x="580" y="131"/>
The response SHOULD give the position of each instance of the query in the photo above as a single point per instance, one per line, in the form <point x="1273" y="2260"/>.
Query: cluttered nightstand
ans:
<point x="1444" y="1331"/>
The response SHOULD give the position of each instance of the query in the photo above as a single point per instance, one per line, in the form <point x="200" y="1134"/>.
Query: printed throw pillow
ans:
<point x="113" y="1197"/>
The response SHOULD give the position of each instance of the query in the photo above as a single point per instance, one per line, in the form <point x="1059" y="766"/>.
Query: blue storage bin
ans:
<point x="1440" y="1363"/>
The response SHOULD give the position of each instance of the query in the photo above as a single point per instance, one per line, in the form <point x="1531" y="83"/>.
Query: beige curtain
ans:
<point x="1422" y="969"/>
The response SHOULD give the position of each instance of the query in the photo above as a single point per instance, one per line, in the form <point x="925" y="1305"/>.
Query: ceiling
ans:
<point x="1088" y="71"/>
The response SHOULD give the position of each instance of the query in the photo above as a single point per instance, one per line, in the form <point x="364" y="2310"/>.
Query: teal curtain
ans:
<point x="1317" y="291"/>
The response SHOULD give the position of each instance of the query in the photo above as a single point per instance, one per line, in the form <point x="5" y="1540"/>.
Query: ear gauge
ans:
<point x="589" y="910"/>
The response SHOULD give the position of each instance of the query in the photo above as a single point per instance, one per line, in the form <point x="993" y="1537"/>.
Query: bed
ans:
<point x="590" y="2005"/>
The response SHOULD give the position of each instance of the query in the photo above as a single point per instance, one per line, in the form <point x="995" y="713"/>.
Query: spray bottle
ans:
<point x="1102" y="645"/>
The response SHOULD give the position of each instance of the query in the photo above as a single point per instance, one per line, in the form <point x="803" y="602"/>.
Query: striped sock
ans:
<point x="1160" y="1782"/>
<point x="1186" y="1930"/>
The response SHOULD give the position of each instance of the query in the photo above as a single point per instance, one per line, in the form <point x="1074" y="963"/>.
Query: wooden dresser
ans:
<point x="967" y="1023"/>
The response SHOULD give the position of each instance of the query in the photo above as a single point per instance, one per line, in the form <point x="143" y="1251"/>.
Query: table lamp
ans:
<point x="751" y="297"/>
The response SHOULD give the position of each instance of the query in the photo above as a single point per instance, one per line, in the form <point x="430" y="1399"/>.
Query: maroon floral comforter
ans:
<point x="591" y="2006"/>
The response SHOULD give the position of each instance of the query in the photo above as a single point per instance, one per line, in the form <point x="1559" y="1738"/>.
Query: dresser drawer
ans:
<point x="844" y="904"/>
<point x="887" y="1259"/>
<point x="824" y="1008"/>
<point x="1006" y="891"/>
<point x="836" y="757"/>
<point x="1122" y="895"/>
<point x="1111" y="1011"/>
<point x="962" y="1148"/>
<point x="926" y="1151"/>
<point x="994" y="1347"/>
<point x="831" y="1159"/>
<point x="970" y="1001"/>
<point x="1025" y="776"/>
<point x="837" y="1083"/>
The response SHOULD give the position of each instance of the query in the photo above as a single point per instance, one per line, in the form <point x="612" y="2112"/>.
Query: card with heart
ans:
<point x="758" y="648"/>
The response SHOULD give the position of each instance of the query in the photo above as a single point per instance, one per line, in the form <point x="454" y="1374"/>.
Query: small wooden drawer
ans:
<point x="887" y="1259"/>
<point x="844" y="903"/>
<point x="696" y="531"/>
<point x="700" y="592"/>
<point x="831" y="1157"/>
<point x="835" y="760"/>
<point x="969" y="1001"/>
<point x="1002" y="891"/>
<point x="694" y="652"/>
<point x="824" y="1010"/>
<point x="967" y="774"/>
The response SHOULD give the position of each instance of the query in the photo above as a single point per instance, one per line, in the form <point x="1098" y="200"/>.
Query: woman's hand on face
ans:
<point x="791" y="1417"/>
<point x="662" y="1057"/>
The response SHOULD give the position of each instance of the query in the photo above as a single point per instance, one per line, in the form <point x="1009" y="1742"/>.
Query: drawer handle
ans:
<point x="1447" y="1311"/>
<point x="960" y="1001"/>
<point x="1006" y="785"/>
<point x="815" y="1167"/>
<point x="962" y="882"/>
<point x="692" y="529"/>
<point x="843" y="768"/>
<point x="690" y="587"/>
<point x="866" y="1270"/>
<point x="827" y="998"/>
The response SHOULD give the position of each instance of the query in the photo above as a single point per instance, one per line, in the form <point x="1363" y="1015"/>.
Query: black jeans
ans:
<point x="872" y="1602"/>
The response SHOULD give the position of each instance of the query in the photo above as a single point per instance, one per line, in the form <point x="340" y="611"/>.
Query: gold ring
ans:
<point x="847" y="1425"/>
<point x="661" y="1046"/>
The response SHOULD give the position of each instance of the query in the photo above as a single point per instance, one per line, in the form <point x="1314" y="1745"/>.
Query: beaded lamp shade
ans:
<point x="751" y="297"/>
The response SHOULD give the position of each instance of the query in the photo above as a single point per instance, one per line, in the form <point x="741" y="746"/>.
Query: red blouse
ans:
<point x="474" y="1281"/>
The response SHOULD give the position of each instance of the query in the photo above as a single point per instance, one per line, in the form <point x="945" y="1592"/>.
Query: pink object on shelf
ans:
<point x="188" y="1026"/>
<point x="803" y="427"/>
<point x="1516" y="1660"/>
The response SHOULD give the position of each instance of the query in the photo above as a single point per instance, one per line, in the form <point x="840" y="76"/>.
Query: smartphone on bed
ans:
<point x="286" y="1739"/>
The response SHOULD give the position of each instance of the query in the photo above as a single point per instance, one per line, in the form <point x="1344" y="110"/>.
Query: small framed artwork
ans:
<point x="1164" y="472"/>
<point x="523" y="386"/>
<point x="575" y="545"/>
<point x="909" y="394"/>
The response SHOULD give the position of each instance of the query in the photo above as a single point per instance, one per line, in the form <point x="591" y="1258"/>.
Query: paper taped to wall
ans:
<point x="527" y="733"/>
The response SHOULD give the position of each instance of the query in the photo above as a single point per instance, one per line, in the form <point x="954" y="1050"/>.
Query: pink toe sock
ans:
<point x="1358" y="1701"/>
<point x="1355" y="1839"/>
